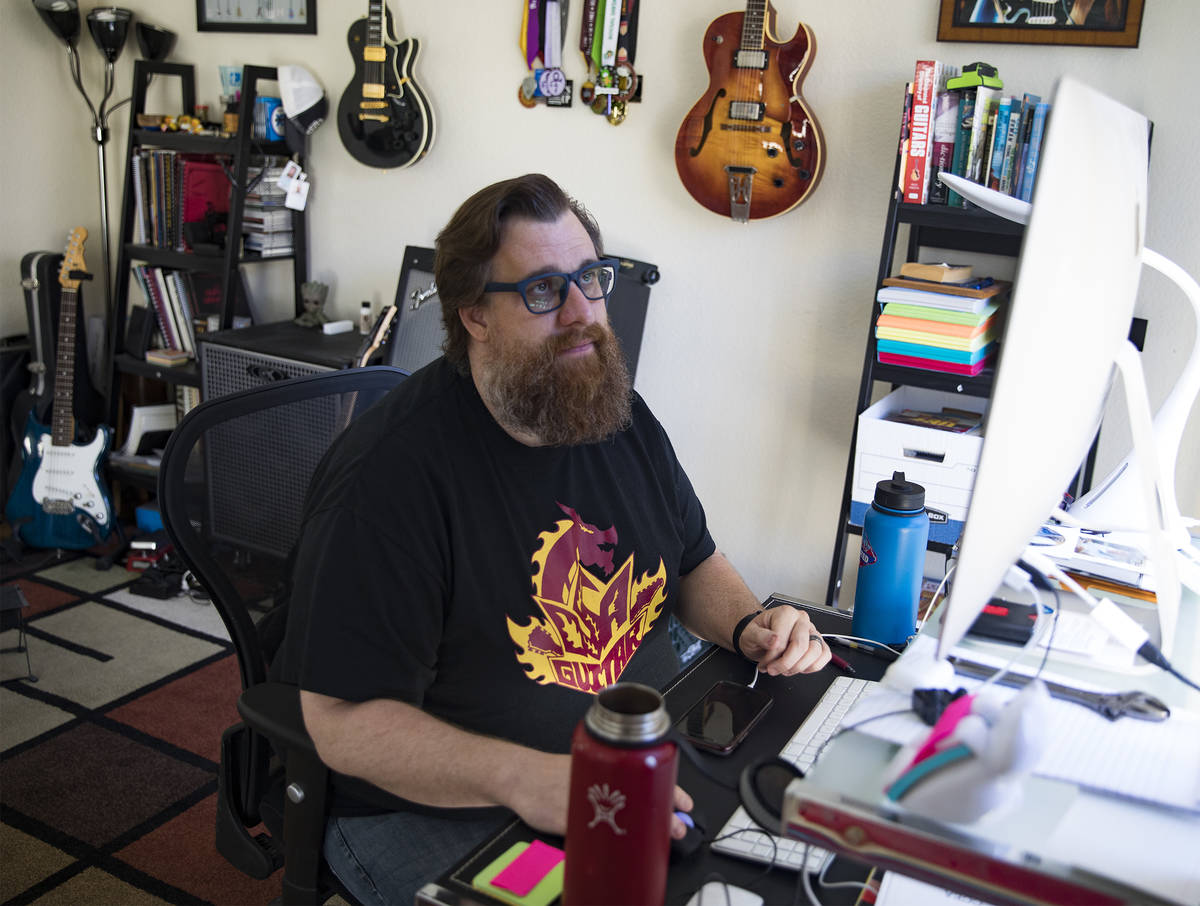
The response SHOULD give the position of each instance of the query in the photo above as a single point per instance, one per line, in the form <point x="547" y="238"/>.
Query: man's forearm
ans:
<point x="713" y="597"/>
<point x="411" y="754"/>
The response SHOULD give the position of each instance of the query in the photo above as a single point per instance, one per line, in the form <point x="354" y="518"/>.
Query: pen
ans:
<point x="858" y="646"/>
<point x="842" y="664"/>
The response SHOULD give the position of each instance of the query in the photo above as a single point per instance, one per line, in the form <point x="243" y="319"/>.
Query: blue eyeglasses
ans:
<point x="546" y="292"/>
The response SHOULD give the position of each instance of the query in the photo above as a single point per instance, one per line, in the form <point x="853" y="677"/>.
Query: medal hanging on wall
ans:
<point x="608" y="41"/>
<point x="543" y="27"/>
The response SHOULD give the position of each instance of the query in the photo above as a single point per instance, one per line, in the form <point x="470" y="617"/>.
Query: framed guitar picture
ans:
<point x="297" y="17"/>
<point x="1094" y="23"/>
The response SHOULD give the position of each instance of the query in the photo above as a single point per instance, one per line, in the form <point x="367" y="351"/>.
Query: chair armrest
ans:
<point x="273" y="709"/>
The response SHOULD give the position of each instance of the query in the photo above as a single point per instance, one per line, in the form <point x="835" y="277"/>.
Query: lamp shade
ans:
<point x="154" y="41"/>
<point x="62" y="16"/>
<point x="109" y="26"/>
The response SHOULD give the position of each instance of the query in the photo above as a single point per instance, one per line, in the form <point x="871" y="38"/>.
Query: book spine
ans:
<point x="1031" y="102"/>
<point x="174" y="340"/>
<point x="985" y="105"/>
<point x="962" y="141"/>
<point x="999" y="140"/>
<point x="154" y="293"/>
<point x="177" y="195"/>
<point x="945" y="132"/>
<point x="1035" y="146"/>
<point x="916" y="170"/>
<point x="139" y="201"/>
<point x="152" y="198"/>
<point x="1010" y="149"/>
<point x="187" y="323"/>
<point x="905" y="132"/>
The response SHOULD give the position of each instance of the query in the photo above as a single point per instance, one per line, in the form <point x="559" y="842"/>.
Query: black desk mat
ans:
<point x="794" y="697"/>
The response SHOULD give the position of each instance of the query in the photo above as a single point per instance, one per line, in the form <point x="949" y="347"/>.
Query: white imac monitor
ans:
<point x="1073" y="298"/>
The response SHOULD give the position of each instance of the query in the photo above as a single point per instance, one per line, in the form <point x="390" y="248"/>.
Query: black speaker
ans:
<point x="234" y="360"/>
<point x="418" y="336"/>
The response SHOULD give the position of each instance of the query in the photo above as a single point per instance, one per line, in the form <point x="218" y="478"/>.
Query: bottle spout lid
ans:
<point x="897" y="493"/>
<point x="628" y="714"/>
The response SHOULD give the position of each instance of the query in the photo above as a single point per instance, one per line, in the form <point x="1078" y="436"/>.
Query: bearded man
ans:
<point x="497" y="540"/>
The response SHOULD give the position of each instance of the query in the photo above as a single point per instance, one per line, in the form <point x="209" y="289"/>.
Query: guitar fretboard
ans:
<point x="373" y="53"/>
<point x="754" y="25"/>
<point x="62" y="418"/>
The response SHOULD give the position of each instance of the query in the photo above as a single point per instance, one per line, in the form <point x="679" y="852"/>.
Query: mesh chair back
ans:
<point x="233" y="481"/>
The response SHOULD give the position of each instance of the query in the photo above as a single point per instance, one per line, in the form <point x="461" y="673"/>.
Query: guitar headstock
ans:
<point x="72" y="259"/>
<point x="378" y="336"/>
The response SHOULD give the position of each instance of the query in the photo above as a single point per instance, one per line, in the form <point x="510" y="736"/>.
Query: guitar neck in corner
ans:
<point x="62" y="418"/>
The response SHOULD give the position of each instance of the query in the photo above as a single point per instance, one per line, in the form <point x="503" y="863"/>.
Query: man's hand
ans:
<point x="541" y="795"/>
<point x="783" y="642"/>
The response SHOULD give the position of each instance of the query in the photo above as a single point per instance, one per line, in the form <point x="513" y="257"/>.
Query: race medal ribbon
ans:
<point x="542" y="28"/>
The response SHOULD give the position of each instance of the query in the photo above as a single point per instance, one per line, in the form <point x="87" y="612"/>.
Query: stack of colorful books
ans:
<point x="952" y="328"/>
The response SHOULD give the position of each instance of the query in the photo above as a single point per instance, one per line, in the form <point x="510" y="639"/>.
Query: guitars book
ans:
<point x="929" y="84"/>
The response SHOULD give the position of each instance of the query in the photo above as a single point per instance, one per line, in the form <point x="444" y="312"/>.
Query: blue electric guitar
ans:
<point x="59" y="501"/>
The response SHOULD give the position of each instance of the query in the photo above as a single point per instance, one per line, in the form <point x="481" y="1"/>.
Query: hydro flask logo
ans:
<point x="606" y="804"/>
<point x="866" y="556"/>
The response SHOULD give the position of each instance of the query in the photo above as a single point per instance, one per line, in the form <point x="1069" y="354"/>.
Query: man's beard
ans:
<point x="562" y="401"/>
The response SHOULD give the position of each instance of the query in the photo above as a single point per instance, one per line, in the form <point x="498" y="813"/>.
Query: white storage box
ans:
<point x="943" y="462"/>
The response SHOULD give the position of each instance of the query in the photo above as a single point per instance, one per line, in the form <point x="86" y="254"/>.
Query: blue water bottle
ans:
<point x="891" y="563"/>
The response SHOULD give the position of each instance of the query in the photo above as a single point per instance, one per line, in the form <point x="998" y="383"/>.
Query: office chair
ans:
<point x="259" y="447"/>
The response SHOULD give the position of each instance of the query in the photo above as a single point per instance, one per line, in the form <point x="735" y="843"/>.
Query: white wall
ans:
<point x="755" y="337"/>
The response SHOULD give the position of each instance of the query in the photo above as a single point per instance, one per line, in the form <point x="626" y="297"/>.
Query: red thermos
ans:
<point x="622" y="798"/>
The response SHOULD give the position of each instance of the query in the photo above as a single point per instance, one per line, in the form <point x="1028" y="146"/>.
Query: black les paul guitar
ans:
<point x="384" y="118"/>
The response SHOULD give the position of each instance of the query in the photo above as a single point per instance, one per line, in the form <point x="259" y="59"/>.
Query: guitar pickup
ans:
<point x="747" y="111"/>
<point x="372" y="90"/>
<point x="750" y="59"/>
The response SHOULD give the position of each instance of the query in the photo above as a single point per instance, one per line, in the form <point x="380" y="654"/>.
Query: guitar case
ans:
<point x="43" y="298"/>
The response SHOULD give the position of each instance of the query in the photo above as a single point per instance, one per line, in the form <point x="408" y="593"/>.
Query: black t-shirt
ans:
<point x="494" y="585"/>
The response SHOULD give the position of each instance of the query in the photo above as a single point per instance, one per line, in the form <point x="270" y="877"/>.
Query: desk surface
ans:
<point x="793" y="698"/>
<point x="1123" y="850"/>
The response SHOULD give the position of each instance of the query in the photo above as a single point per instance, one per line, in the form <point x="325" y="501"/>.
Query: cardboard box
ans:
<point x="943" y="462"/>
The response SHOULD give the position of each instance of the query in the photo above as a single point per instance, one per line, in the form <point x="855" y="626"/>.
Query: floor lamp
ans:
<point x="109" y="27"/>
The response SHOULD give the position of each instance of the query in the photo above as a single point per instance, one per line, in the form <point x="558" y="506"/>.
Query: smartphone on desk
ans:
<point x="723" y="717"/>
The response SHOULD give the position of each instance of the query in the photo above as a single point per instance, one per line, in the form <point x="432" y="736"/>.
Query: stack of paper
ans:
<point x="936" y="331"/>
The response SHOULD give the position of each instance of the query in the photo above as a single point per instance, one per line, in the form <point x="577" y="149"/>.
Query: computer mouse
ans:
<point x="686" y="847"/>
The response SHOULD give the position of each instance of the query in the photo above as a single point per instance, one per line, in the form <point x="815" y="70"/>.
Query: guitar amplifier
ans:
<point x="418" y="336"/>
<point x="233" y="360"/>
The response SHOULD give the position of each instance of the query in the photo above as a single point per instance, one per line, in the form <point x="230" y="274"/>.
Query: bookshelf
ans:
<point x="236" y="151"/>
<point x="910" y="228"/>
<point x="135" y="381"/>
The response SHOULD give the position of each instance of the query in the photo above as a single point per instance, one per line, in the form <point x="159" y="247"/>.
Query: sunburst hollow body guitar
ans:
<point x="751" y="147"/>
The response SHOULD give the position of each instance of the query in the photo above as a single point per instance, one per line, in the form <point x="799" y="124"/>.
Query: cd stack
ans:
<point x="266" y="222"/>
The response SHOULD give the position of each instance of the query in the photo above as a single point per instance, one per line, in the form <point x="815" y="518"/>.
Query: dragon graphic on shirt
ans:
<point x="595" y="616"/>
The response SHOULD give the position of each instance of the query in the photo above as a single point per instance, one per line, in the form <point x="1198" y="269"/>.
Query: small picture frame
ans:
<point x="297" y="17"/>
<point x="1093" y="23"/>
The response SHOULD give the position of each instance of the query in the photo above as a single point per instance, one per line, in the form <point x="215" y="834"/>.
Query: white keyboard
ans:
<point x="754" y="843"/>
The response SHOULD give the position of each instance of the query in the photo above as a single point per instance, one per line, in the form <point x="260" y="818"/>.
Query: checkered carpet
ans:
<point x="108" y="760"/>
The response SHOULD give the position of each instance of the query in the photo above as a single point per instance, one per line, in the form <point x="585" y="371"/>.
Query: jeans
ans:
<point x="383" y="860"/>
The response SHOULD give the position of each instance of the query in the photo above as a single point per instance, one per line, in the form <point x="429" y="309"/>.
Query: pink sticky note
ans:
<point x="527" y="869"/>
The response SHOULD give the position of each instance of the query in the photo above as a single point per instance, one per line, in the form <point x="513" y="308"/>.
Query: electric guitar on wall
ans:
<point x="384" y="118"/>
<point x="750" y="147"/>
<point x="58" y="500"/>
